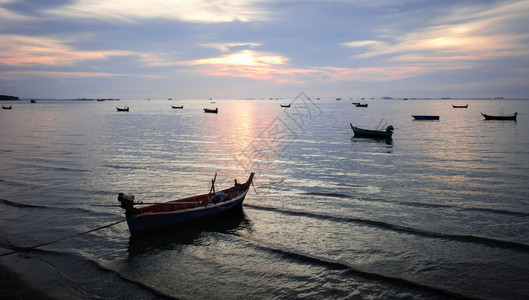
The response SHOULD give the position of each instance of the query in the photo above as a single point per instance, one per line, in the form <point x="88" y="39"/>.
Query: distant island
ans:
<point x="8" y="98"/>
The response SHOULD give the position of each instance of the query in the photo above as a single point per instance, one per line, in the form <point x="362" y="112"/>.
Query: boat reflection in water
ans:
<point x="193" y="234"/>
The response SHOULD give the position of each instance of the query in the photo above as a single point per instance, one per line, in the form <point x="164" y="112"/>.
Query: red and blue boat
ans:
<point x="204" y="207"/>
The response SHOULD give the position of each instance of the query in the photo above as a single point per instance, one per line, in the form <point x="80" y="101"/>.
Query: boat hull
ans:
<point x="211" y="111"/>
<point x="151" y="222"/>
<point x="371" y="133"/>
<point x="501" y="118"/>
<point x="423" y="117"/>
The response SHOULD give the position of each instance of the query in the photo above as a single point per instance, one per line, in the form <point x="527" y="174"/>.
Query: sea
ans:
<point x="440" y="211"/>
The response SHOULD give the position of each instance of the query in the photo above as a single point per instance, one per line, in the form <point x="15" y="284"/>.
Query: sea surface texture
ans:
<point x="439" y="211"/>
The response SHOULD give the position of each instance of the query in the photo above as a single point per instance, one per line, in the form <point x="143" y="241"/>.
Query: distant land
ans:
<point x="6" y="98"/>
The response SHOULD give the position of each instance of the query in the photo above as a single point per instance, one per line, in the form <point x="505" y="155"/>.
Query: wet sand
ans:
<point x="13" y="287"/>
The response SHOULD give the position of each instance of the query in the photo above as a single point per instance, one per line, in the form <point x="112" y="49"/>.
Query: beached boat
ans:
<point x="285" y="105"/>
<point x="460" y="106"/>
<point x="425" y="117"/>
<point x="385" y="134"/>
<point x="126" y="108"/>
<point x="179" y="107"/>
<point x="183" y="211"/>
<point x="7" y="107"/>
<point x="358" y="104"/>
<point x="500" y="117"/>
<point x="213" y="111"/>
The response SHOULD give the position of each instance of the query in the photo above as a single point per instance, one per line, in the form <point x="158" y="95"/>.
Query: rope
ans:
<point x="24" y="249"/>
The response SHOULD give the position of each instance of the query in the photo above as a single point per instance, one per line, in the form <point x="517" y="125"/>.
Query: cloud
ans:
<point x="243" y="58"/>
<point x="17" y="50"/>
<point x="196" y="11"/>
<point x="272" y="67"/>
<point x="8" y="16"/>
<point x="370" y="74"/>
<point x="224" y="47"/>
<point x="245" y="63"/>
<point x="466" y="34"/>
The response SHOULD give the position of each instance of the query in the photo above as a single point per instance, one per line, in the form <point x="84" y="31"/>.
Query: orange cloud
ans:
<point x="18" y="50"/>
<point x="248" y="64"/>
<point x="243" y="58"/>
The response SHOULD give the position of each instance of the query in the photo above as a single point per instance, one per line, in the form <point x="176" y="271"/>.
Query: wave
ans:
<point x="22" y="205"/>
<point x="422" y="204"/>
<point x="69" y="209"/>
<point x="405" y="229"/>
<point x="340" y="265"/>
<point x="122" y="167"/>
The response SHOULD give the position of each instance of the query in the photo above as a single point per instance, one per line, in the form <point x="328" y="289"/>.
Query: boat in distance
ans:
<point x="212" y="111"/>
<point x="126" y="108"/>
<point x="425" y="117"/>
<point x="173" y="213"/>
<point x="500" y="117"/>
<point x="384" y="134"/>
<point x="7" y="107"/>
<point x="177" y="107"/>
<point x="358" y="104"/>
<point x="285" y="105"/>
<point x="460" y="106"/>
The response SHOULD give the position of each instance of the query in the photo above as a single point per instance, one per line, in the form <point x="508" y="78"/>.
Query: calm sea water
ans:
<point x="439" y="211"/>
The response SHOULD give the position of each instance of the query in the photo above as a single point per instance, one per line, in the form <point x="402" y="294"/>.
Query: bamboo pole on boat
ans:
<point x="379" y="123"/>
<point x="213" y="184"/>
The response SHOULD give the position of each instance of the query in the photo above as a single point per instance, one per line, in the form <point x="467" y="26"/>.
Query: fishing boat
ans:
<point x="385" y="134"/>
<point x="460" y="106"/>
<point x="213" y="111"/>
<point x="358" y="104"/>
<point x="425" y="117"/>
<point x="7" y="107"/>
<point x="126" y="108"/>
<point x="500" y="117"/>
<point x="183" y="211"/>
<point x="285" y="105"/>
<point x="177" y="107"/>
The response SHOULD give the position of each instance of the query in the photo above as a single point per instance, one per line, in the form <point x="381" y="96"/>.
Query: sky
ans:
<point x="201" y="49"/>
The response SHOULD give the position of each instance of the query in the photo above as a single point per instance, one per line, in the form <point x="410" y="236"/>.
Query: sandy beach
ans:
<point x="13" y="287"/>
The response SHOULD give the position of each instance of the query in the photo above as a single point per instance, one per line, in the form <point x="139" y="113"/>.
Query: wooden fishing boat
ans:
<point x="7" y="107"/>
<point x="122" y="109"/>
<point x="500" y="117"/>
<point x="360" y="104"/>
<point x="213" y="111"/>
<point x="385" y="134"/>
<point x="460" y="106"/>
<point x="179" y="107"/>
<point x="285" y="105"/>
<point x="425" y="117"/>
<point x="183" y="211"/>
